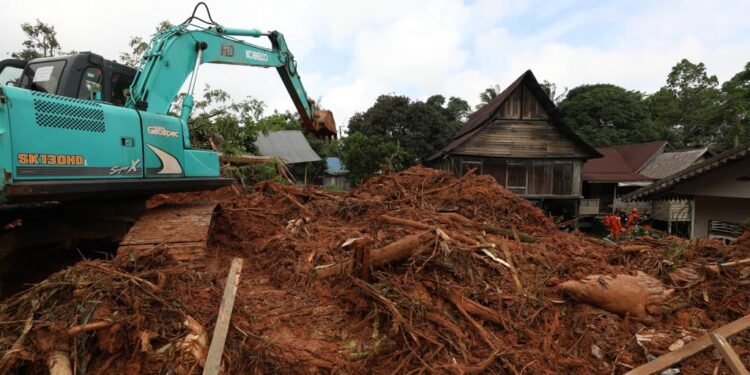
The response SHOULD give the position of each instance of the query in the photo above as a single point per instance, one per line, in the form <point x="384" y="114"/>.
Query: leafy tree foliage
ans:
<point x="41" y="41"/>
<point x="365" y="155"/>
<point x="138" y="45"/>
<point x="550" y="88"/>
<point x="736" y="109"/>
<point x="605" y="115"/>
<point x="689" y="105"/>
<point x="486" y="96"/>
<point x="421" y="128"/>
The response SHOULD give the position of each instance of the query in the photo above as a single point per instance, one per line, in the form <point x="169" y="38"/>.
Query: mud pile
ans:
<point x="412" y="272"/>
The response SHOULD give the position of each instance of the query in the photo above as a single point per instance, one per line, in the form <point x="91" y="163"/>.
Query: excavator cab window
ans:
<point x="120" y="87"/>
<point x="91" y="84"/>
<point x="43" y="76"/>
<point x="10" y="75"/>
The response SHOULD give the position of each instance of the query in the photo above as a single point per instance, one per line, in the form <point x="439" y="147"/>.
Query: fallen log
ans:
<point x="394" y="251"/>
<point x="405" y="222"/>
<point x="513" y="270"/>
<point x="483" y="333"/>
<point x="301" y="206"/>
<point x="88" y="327"/>
<point x="458" y="218"/>
<point x="475" y="308"/>
<point x="415" y="224"/>
<point x="527" y="238"/>
<point x="641" y="297"/>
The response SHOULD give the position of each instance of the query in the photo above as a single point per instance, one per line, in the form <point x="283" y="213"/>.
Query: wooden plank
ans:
<point x="216" y="349"/>
<point x="690" y="349"/>
<point x="730" y="357"/>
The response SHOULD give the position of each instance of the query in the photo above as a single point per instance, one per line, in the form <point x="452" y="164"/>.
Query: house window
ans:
<point x="466" y="166"/>
<point x="518" y="177"/>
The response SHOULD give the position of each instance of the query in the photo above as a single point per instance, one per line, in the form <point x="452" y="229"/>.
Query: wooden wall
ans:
<point x="520" y="139"/>
<point x="521" y="129"/>
<point x="526" y="177"/>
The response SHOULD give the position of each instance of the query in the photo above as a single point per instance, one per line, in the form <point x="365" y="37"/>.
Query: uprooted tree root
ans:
<point x="415" y="272"/>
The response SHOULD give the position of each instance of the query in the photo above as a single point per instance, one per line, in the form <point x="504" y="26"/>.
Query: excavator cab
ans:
<point x="85" y="76"/>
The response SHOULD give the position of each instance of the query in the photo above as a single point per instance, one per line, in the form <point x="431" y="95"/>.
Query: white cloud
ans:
<point x="449" y="47"/>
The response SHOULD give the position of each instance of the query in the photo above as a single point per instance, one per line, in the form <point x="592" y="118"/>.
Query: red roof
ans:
<point x="622" y="163"/>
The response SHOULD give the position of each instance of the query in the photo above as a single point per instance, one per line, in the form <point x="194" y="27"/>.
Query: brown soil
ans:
<point x="446" y="307"/>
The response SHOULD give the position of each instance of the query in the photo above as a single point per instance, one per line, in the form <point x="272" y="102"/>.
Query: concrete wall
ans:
<point x="730" y="180"/>
<point x="733" y="210"/>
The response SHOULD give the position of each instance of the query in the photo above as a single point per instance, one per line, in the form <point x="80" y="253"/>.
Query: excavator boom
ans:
<point x="176" y="53"/>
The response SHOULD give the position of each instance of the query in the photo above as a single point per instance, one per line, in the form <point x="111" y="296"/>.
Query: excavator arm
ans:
<point x="178" y="52"/>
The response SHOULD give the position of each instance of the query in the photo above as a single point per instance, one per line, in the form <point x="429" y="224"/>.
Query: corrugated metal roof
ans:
<point x="289" y="145"/>
<point x="663" y="187"/>
<point x="668" y="163"/>
<point x="334" y="166"/>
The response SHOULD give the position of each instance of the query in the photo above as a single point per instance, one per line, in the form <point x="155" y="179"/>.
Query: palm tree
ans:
<point x="487" y="95"/>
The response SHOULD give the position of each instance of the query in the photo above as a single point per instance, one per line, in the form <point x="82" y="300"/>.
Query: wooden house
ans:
<point x="717" y="189"/>
<point x="521" y="141"/>
<point x="626" y="168"/>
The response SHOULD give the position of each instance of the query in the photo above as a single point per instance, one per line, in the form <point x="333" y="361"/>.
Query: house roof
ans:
<point x="335" y="167"/>
<point x="664" y="186"/>
<point x="667" y="163"/>
<point x="622" y="163"/>
<point x="484" y="116"/>
<point x="289" y="145"/>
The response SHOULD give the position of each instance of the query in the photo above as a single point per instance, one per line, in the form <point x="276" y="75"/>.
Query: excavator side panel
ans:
<point x="163" y="146"/>
<point x="58" y="138"/>
<point x="164" y="152"/>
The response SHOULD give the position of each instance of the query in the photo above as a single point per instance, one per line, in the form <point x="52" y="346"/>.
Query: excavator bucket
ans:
<point x="323" y="125"/>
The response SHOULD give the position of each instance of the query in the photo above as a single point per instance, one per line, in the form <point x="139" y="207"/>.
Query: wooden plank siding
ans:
<point x="520" y="139"/>
<point x="520" y="129"/>
<point x="525" y="177"/>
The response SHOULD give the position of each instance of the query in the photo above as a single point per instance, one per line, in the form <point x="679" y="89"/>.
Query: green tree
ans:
<point x="421" y="128"/>
<point x="689" y="104"/>
<point x="365" y="155"/>
<point x="138" y="45"/>
<point x="41" y="41"/>
<point x="458" y="108"/>
<point x="736" y="109"/>
<point x="486" y="96"/>
<point x="605" y="114"/>
<point x="550" y="88"/>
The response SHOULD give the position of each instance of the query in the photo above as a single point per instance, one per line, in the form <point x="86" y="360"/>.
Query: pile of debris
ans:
<point x="411" y="272"/>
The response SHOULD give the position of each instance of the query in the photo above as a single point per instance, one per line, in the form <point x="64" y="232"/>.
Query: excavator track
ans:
<point x="182" y="229"/>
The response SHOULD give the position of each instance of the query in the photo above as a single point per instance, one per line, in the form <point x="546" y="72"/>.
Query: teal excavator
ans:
<point x="99" y="135"/>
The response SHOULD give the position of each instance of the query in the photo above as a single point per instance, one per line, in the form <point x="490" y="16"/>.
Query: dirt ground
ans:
<point x="415" y="272"/>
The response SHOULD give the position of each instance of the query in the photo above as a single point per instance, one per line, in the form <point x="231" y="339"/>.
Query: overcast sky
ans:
<point x="349" y="52"/>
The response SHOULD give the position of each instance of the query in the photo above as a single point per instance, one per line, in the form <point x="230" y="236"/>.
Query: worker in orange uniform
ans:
<point x="633" y="219"/>
<point x="612" y="222"/>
